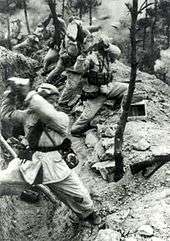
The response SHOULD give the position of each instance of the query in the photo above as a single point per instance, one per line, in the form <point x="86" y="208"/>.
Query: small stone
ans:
<point x="157" y="239"/>
<point x="141" y="145"/>
<point x="109" y="132"/>
<point x="161" y="150"/>
<point x="91" y="138"/>
<point x="98" y="152"/>
<point x="109" y="154"/>
<point x="108" y="235"/>
<point x="105" y="169"/>
<point x="107" y="142"/>
<point x="146" y="230"/>
<point x="130" y="239"/>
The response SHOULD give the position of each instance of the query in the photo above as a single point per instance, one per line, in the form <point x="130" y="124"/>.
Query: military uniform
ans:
<point x="62" y="181"/>
<point x="70" y="49"/>
<point x="98" y="88"/>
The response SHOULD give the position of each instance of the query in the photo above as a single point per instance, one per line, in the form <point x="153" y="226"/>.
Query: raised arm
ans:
<point x="56" y="120"/>
<point x="8" y="108"/>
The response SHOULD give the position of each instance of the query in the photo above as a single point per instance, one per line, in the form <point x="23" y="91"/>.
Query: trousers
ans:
<point x="72" y="192"/>
<point x="92" y="106"/>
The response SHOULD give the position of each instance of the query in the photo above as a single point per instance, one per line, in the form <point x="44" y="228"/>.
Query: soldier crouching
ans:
<point x="99" y="85"/>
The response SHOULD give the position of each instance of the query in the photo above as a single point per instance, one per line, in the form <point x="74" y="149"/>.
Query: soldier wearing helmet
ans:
<point x="71" y="48"/>
<point x="99" y="85"/>
<point x="47" y="146"/>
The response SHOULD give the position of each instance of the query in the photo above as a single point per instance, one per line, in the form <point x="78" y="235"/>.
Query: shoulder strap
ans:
<point x="49" y="136"/>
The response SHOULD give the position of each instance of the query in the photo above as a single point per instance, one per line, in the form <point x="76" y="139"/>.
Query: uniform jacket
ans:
<point x="54" y="167"/>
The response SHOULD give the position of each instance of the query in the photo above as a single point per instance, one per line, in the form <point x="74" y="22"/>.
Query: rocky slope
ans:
<point x="135" y="208"/>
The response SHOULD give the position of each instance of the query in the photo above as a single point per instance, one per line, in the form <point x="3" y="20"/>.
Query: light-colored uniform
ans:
<point x="62" y="181"/>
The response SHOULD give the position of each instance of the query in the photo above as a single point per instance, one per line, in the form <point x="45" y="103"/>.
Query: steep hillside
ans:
<point x="134" y="207"/>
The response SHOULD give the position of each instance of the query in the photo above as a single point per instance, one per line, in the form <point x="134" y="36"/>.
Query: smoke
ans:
<point x="36" y="10"/>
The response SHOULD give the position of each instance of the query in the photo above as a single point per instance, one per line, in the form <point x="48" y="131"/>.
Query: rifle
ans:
<point x="153" y="165"/>
<point x="44" y="189"/>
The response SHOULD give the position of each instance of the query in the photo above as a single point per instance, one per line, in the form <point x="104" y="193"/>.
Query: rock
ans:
<point x="98" y="153"/>
<point x="91" y="138"/>
<point x="108" y="235"/>
<point x="109" y="154"/>
<point x="141" y="145"/>
<point x="78" y="109"/>
<point x="157" y="239"/>
<point x="110" y="132"/>
<point x="106" y="169"/>
<point x="130" y="239"/>
<point x="163" y="150"/>
<point x="106" y="131"/>
<point x="146" y="230"/>
<point x="107" y="142"/>
<point x="116" y="219"/>
<point x="168" y="178"/>
<point x="97" y="120"/>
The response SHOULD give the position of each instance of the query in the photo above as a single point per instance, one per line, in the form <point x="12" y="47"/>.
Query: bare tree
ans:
<point x="52" y="6"/>
<point x="26" y="16"/>
<point x="145" y="28"/>
<point x="7" y="10"/>
<point x="152" y="34"/>
<point x="126" y="106"/>
<point x="63" y="8"/>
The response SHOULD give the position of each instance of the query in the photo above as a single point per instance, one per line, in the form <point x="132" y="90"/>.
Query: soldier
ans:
<point x="99" y="85"/>
<point x="51" y="57"/>
<point x="46" y="129"/>
<point x="71" y="48"/>
<point x="54" y="43"/>
<point x="74" y="83"/>
<point x="28" y="46"/>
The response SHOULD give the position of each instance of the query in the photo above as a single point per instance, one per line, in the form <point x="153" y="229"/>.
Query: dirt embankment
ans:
<point x="127" y="205"/>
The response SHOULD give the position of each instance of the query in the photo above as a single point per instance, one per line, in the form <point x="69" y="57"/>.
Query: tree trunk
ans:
<point x="123" y="118"/>
<point x="90" y="13"/>
<point x="52" y="6"/>
<point x="80" y="12"/>
<point x="8" y="27"/>
<point x="63" y="8"/>
<point x="26" y="16"/>
<point x="9" y="34"/>
<point x="152" y="39"/>
<point x="145" y="28"/>
<point x="168" y="35"/>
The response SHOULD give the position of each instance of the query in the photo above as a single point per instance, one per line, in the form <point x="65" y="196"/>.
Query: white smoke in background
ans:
<point x="37" y="11"/>
<point x="162" y="65"/>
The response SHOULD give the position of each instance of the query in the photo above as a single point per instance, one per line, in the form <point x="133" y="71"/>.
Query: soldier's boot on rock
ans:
<point x="94" y="218"/>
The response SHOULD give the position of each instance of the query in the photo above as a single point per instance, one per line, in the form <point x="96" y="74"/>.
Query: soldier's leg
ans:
<point x="55" y="73"/>
<point x="71" y="89"/>
<point x="74" y="194"/>
<point x="118" y="90"/>
<point x="51" y="57"/>
<point x="90" y="110"/>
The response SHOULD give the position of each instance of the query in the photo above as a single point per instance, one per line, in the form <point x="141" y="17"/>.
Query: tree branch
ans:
<point x="143" y="8"/>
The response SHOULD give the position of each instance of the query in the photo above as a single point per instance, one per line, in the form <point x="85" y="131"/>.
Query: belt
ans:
<point x="46" y="149"/>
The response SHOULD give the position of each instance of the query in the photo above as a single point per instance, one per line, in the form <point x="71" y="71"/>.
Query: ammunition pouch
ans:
<point x="90" y="91"/>
<point x="67" y="59"/>
<point x="68" y="154"/>
<point x="30" y="196"/>
<point x="99" y="79"/>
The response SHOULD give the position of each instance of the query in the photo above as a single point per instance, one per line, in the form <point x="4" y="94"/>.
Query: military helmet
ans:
<point x="17" y="81"/>
<point x="46" y="89"/>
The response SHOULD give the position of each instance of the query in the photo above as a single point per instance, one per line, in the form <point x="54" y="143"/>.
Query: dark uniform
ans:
<point x="71" y="48"/>
<point x="98" y="88"/>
